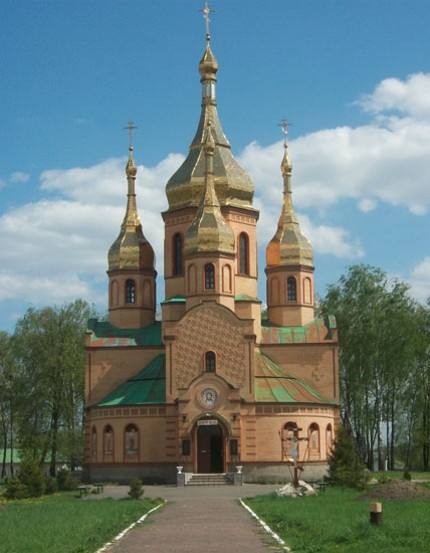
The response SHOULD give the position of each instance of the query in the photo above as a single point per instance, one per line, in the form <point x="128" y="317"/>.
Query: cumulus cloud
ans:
<point x="387" y="160"/>
<point x="19" y="176"/>
<point x="420" y="280"/>
<point x="409" y="97"/>
<point x="60" y="243"/>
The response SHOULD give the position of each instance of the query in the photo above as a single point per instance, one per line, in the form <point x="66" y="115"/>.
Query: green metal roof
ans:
<point x="146" y="387"/>
<point x="245" y="297"/>
<point x="103" y="334"/>
<point x="176" y="299"/>
<point x="274" y="385"/>
<point x="316" y="331"/>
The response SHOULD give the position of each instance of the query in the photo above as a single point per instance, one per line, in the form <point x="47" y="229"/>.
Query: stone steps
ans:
<point x="209" y="480"/>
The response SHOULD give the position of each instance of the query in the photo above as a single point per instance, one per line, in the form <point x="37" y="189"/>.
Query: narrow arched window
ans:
<point x="210" y="362"/>
<point x="291" y="289"/>
<point x="209" y="277"/>
<point x="177" y="254"/>
<point x="314" y="441"/>
<point x="290" y="441"/>
<point x="108" y="440"/>
<point x="94" y="444"/>
<point x="131" y="441"/>
<point x="130" y="291"/>
<point x="243" y="254"/>
<point x="329" y="439"/>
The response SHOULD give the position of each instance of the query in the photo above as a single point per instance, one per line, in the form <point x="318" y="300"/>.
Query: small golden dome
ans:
<point x="208" y="65"/>
<point x="289" y="246"/>
<point x="209" y="232"/>
<point x="131" y="250"/>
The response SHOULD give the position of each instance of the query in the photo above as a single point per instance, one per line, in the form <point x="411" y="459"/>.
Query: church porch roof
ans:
<point x="274" y="385"/>
<point x="147" y="387"/>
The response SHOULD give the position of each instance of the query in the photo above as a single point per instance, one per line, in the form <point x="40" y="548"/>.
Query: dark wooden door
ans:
<point x="210" y="451"/>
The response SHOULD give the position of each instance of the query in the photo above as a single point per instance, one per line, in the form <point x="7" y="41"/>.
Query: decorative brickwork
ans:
<point x="210" y="328"/>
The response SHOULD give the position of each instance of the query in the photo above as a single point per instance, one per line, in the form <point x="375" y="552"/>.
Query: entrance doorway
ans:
<point x="210" y="448"/>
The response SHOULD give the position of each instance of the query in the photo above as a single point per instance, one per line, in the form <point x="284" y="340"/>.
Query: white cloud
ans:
<point x="410" y="97"/>
<point x="420" y="280"/>
<point x="366" y="205"/>
<point x="60" y="243"/>
<point x="331" y="240"/>
<point x="385" y="161"/>
<point x="19" y="176"/>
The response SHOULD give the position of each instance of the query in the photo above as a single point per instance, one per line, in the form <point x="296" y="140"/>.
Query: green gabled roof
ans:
<point x="103" y="334"/>
<point x="274" y="385"/>
<point x="146" y="387"/>
<point x="245" y="297"/>
<point x="176" y="299"/>
<point x="316" y="331"/>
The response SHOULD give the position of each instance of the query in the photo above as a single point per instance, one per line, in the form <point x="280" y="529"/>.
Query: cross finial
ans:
<point x="284" y="124"/>
<point x="130" y="127"/>
<point x="206" y="11"/>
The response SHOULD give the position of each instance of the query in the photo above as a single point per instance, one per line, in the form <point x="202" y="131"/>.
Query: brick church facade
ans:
<point x="212" y="385"/>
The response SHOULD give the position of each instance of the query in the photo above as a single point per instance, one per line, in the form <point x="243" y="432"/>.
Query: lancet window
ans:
<point x="209" y="276"/>
<point x="130" y="291"/>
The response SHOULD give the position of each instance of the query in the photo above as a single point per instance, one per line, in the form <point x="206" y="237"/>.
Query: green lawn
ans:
<point x="64" y="524"/>
<point x="335" y="521"/>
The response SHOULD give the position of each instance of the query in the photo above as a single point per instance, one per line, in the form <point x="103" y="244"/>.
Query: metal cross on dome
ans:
<point x="130" y="127"/>
<point x="284" y="124"/>
<point x="206" y="11"/>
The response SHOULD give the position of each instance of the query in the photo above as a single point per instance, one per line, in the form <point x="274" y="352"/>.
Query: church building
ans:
<point x="218" y="385"/>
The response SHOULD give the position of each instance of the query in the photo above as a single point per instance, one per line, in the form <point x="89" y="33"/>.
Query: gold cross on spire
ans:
<point x="130" y="127"/>
<point x="284" y="124"/>
<point x="206" y="11"/>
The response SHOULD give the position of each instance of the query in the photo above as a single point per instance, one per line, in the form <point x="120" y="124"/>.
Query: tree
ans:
<point x="345" y="467"/>
<point x="49" y="348"/>
<point x="7" y="399"/>
<point x="377" y="322"/>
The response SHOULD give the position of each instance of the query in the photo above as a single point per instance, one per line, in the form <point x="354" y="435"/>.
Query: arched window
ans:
<point x="177" y="254"/>
<point x="329" y="439"/>
<point x="131" y="442"/>
<point x="314" y="441"/>
<point x="130" y="291"/>
<point x="290" y="441"/>
<point x="291" y="289"/>
<point x="210" y="362"/>
<point x="209" y="277"/>
<point x="108" y="440"/>
<point x="114" y="293"/>
<point x="94" y="444"/>
<point x="243" y="254"/>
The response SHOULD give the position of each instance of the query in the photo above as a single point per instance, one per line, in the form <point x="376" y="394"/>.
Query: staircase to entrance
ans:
<point x="209" y="479"/>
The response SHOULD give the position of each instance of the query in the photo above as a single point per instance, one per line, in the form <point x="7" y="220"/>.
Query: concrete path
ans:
<point x="195" y="520"/>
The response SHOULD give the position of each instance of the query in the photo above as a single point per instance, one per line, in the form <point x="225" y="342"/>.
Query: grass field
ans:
<point x="64" y="524"/>
<point x="335" y="521"/>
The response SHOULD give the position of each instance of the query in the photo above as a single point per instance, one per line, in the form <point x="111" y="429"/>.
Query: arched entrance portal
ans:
<point x="210" y="446"/>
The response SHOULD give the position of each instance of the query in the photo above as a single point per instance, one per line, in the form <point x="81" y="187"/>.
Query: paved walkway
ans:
<point x="196" y="519"/>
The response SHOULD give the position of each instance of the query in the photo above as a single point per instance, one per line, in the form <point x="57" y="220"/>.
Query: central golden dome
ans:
<point x="233" y="185"/>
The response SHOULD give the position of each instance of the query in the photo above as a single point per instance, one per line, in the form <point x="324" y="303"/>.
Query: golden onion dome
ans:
<point x="233" y="185"/>
<point x="131" y="250"/>
<point x="209" y="232"/>
<point x="289" y="246"/>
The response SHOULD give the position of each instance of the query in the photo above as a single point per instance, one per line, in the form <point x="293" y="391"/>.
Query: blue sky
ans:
<point x="353" y="78"/>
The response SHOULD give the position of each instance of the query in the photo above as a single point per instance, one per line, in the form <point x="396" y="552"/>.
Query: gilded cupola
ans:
<point x="131" y="250"/>
<point x="209" y="232"/>
<point x="233" y="185"/>
<point x="289" y="246"/>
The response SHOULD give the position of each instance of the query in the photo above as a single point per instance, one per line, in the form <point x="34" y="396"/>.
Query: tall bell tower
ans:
<point x="289" y="261"/>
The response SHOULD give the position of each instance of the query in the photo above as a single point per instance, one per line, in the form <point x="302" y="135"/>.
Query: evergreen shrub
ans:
<point x="136" y="489"/>
<point x="345" y="468"/>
